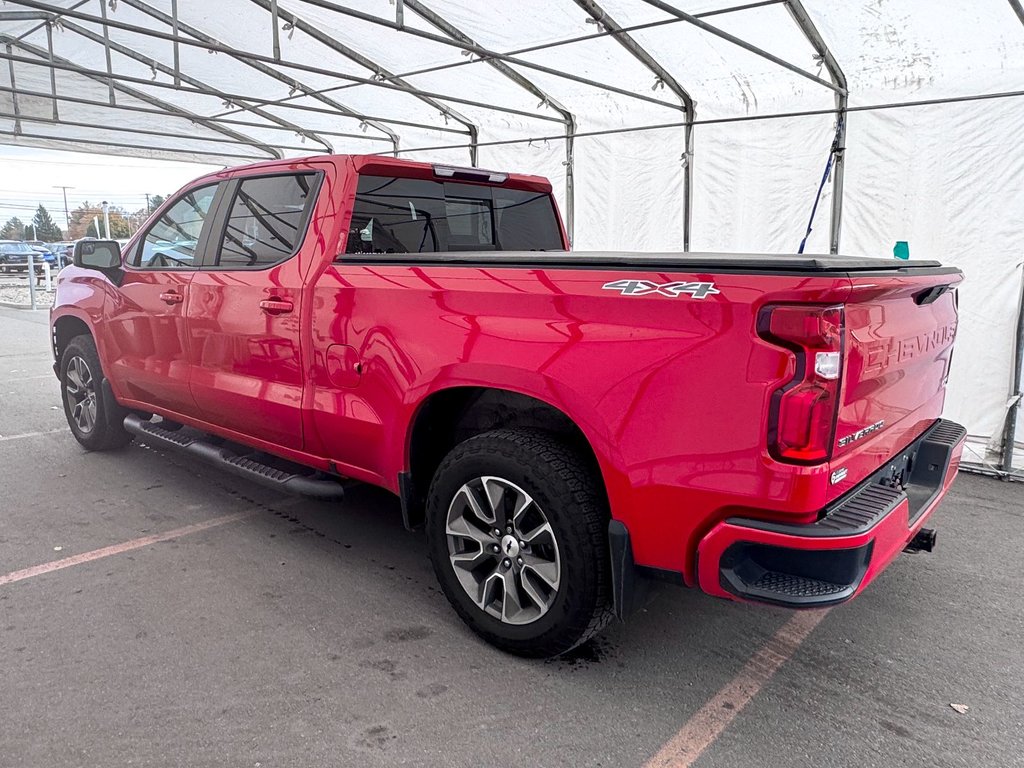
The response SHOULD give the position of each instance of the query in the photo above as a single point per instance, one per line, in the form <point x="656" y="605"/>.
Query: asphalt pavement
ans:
<point x="309" y="634"/>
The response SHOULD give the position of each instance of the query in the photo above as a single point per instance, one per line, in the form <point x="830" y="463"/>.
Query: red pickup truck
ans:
<point x="566" y="426"/>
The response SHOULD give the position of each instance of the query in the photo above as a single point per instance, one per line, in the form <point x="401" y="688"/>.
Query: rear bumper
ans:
<point x="833" y="559"/>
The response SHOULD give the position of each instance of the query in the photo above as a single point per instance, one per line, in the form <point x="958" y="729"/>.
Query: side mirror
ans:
<point x="97" y="254"/>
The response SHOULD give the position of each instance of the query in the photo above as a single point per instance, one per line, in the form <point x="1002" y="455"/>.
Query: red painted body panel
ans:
<point x="896" y="365"/>
<point x="672" y="393"/>
<point x="147" y="339"/>
<point x="672" y="401"/>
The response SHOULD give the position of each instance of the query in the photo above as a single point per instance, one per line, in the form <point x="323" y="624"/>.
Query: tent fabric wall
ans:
<point x="948" y="178"/>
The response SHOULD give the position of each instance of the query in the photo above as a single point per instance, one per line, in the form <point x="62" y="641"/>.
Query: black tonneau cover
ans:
<point x="631" y="260"/>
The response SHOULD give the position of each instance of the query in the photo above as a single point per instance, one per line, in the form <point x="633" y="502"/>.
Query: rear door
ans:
<point x="149" y="352"/>
<point x="245" y="308"/>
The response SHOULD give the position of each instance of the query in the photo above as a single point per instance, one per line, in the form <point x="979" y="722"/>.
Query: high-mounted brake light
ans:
<point x="802" y="420"/>
<point x="470" y="174"/>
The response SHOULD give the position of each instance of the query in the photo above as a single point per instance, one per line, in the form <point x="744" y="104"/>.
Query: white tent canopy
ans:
<point x="704" y="123"/>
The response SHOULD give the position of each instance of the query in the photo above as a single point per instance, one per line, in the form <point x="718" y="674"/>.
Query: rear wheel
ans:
<point x="94" y="423"/>
<point x="517" y="533"/>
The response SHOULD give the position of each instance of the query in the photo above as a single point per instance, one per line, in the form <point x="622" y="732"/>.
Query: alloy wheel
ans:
<point x="503" y="550"/>
<point x="80" y="391"/>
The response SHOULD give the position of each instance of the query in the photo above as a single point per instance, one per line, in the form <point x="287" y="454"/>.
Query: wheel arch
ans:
<point x="454" y="414"/>
<point x="64" y="329"/>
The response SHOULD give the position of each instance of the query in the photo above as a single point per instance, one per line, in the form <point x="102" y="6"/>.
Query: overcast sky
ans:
<point x="28" y="177"/>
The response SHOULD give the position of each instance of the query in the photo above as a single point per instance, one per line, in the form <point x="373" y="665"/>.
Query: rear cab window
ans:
<point x="406" y="215"/>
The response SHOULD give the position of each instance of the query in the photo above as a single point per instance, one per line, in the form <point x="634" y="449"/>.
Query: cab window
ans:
<point x="171" y="242"/>
<point x="266" y="221"/>
<point x="398" y="215"/>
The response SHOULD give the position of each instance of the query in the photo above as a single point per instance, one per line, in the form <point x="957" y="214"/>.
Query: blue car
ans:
<point x="44" y="255"/>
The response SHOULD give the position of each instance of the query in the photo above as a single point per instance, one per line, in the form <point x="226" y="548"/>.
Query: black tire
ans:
<point x="105" y="430"/>
<point x="572" y="500"/>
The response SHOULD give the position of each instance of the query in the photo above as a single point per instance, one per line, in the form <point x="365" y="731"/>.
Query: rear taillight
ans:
<point x="801" y="422"/>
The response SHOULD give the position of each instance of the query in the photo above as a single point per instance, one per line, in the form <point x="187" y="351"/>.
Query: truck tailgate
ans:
<point x="899" y="342"/>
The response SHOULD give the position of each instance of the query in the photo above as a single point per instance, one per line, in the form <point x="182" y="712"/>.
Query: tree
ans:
<point x="156" y="201"/>
<point x="81" y="218"/>
<point x="46" y="229"/>
<point x="119" y="228"/>
<point x="82" y="222"/>
<point x="13" y="229"/>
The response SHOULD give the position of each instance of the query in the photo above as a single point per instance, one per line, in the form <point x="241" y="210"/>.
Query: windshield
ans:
<point x="17" y="248"/>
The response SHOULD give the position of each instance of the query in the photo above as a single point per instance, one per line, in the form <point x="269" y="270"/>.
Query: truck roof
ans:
<point x="395" y="166"/>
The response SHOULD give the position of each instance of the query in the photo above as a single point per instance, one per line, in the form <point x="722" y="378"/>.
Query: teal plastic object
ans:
<point x="901" y="250"/>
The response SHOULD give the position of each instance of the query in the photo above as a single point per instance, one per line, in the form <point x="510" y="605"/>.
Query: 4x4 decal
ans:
<point x="673" y="290"/>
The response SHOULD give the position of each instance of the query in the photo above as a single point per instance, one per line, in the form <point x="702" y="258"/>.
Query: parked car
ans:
<point x="45" y="256"/>
<point x="14" y="256"/>
<point x="63" y="252"/>
<point x="565" y="426"/>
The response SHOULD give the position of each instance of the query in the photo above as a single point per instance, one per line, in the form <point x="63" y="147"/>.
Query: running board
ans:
<point x="317" y="486"/>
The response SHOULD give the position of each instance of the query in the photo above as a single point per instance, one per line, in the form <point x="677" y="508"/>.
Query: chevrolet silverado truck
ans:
<point x="565" y="426"/>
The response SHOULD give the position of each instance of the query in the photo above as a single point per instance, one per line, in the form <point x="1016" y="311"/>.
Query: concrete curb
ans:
<point x="12" y="305"/>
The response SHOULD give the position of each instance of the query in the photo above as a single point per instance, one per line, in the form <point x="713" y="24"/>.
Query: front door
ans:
<point x="245" y="309"/>
<point x="146" y="330"/>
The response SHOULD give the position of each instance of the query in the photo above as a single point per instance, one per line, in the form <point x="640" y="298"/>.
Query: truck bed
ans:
<point x="677" y="261"/>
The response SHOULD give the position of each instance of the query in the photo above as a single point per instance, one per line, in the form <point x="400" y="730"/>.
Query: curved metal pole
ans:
<point x="638" y="52"/>
<point x="1018" y="9"/>
<point x="168" y="134"/>
<point x="262" y="68"/>
<point x="233" y="98"/>
<point x="478" y="59"/>
<point x="131" y="53"/>
<point x="120" y="145"/>
<point x="252" y="57"/>
<point x="484" y="52"/>
<point x="445" y="26"/>
<point x="162" y="112"/>
<point x="145" y="97"/>
<point x="364" y="61"/>
<point x="713" y="30"/>
<point x="835" y="73"/>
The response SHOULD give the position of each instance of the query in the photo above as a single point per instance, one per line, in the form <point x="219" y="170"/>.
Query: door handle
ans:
<point x="276" y="306"/>
<point x="171" y="297"/>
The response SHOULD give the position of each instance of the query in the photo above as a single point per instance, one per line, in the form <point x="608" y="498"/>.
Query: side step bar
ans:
<point x="315" y="485"/>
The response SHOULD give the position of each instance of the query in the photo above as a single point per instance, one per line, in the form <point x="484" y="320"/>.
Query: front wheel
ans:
<point x="97" y="425"/>
<point x="517" y="534"/>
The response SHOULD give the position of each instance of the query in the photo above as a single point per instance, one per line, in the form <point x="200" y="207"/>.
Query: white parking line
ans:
<point x="117" y="549"/>
<point x="29" y="378"/>
<point x="707" y="724"/>
<point x="5" y="438"/>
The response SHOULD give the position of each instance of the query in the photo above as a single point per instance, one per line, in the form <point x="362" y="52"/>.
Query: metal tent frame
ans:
<point x="170" y="28"/>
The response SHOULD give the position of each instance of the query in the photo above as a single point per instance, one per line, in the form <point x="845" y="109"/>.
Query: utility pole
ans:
<point x="67" y="215"/>
<point x="148" y="209"/>
<point x="106" y="218"/>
